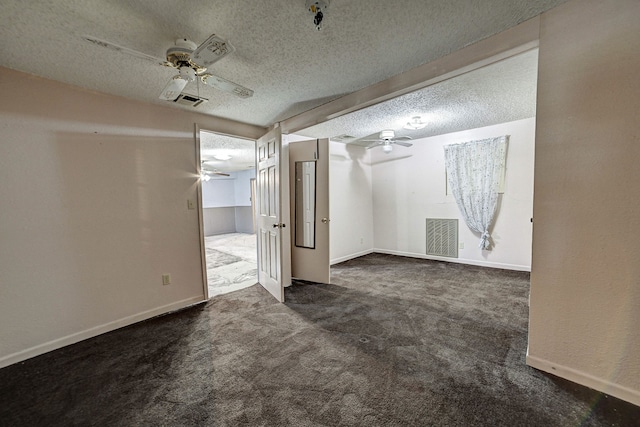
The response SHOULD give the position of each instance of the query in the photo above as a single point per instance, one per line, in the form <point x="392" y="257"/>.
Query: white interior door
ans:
<point x="274" y="268"/>
<point x="309" y="210"/>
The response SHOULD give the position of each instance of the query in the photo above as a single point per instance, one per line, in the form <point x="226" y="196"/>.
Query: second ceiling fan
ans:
<point x="386" y="139"/>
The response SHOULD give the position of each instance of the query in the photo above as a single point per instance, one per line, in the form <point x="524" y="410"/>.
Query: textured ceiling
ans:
<point x="291" y="66"/>
<point x="501" y="92"/>
<point x="241" y="152"/>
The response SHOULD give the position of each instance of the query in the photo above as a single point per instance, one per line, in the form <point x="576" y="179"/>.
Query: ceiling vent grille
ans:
<point x="190" y="100"/>
<point x="342" y="138"/>
<point x="442" y="237"/>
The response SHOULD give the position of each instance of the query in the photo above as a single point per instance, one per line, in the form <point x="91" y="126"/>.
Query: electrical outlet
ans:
<point x="166" y="279"/>
<point x="362" y="241"/>
<point x="461" y="245"/>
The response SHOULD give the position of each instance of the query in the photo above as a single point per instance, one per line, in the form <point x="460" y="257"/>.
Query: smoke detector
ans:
<point x="317" y="8"/>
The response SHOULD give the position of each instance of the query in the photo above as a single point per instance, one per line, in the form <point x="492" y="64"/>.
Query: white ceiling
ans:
<point x="291" y="66"/>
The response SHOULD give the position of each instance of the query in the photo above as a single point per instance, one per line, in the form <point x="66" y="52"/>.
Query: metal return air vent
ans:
<point x="343" y="138"/>
<point x="442" y="237"/>
<point x="190" y="100"/>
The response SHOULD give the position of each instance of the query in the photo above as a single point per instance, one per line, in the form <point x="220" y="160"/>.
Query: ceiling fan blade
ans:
<point x="402" y="138"/>
<point x="173" y="88"/>
<point x="209" y="172"/>
<point x="404" y="144"/>
<point x="370" y="140"/>
<point x="211" y="50"/>
<point x="118" y="48"/>
<point x="226" y="85"/>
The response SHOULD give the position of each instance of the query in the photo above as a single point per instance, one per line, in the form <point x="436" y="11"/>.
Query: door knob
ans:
<point x="325" y="220"/>
<point x="277" y="225"/>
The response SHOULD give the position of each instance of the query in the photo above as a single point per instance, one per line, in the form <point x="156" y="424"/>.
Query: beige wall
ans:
<point x="585" y="282"/>
<point x="351" y="208"/>
<point x="93" y="210"/>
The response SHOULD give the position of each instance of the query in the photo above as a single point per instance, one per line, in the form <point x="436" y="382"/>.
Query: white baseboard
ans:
<point x="457" y="260"/>
<point x="350" y="256"/>
<point x="587" y="380"/>
<point x="95" y="331"/>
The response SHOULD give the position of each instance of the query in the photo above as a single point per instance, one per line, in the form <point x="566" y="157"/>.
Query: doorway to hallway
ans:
<point x="231" y="262"/>
<point x="227" y="179"/>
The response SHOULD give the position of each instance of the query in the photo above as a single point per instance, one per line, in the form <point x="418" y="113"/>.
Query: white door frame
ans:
<point x="203" y="251"/>
<point x="200" y="208"/>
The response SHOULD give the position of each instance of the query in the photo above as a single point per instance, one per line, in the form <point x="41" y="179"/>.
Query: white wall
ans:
<point x="234" y="190"/>
<point x="350" y="204"/>
<point x="242" y="187"/>
<point x="585" y="279"/>
<point x="219" y="192"/>
<point x="93" y="212"/>
<point x="227" y="203"/>
<point x="409" y="186"/>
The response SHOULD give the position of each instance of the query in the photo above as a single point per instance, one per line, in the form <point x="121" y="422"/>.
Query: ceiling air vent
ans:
<point x="190" y="100"/>
<point x="343" y="138"/>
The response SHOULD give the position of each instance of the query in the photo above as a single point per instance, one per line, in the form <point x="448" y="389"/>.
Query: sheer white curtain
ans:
<point x="473" y="171"/>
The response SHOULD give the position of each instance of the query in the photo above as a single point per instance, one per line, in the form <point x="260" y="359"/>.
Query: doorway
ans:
<point x="228" y="212"/>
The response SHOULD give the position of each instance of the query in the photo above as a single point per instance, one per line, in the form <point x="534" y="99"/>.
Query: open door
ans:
<point x="309" y="189"/>
<point x="272" y="216"/>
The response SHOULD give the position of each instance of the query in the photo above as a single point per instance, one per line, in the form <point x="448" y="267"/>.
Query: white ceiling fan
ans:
<point x="206" y="173"/>
<point x="386" y="139"/>
<point x="191" y="61"/>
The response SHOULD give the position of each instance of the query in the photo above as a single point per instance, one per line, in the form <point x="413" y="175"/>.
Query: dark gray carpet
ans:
<point x="392" y="342"/>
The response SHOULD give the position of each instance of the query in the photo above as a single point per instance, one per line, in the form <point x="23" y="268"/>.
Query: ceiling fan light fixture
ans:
<point x="387" y="148"/>
<point x="415" y="123"/>
<point x="221" y="156"/>
<point x="173" y="89"/>
<point x="188" y="74"/>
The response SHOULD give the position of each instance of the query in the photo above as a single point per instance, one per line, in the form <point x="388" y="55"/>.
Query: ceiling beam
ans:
<point x="515" y="40"/>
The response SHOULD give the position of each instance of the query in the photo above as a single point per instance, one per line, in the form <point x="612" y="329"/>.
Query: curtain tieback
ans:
<point x="484" y="240"/>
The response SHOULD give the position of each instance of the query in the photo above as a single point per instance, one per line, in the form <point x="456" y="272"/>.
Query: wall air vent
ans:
<point x="190" y="100"/>
<point x="442" y="237"/>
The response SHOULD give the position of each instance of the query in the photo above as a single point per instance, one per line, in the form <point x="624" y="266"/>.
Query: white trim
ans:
<point x="585" y="379"/>
<point x="351" y="256"/>
<point x="501" y="265"/>
<point x="95" y="331"/>
<point x="203" y="251"/>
